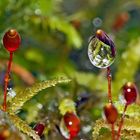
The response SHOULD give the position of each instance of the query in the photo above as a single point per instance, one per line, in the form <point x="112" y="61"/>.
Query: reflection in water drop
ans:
<point x="100" y="54"/>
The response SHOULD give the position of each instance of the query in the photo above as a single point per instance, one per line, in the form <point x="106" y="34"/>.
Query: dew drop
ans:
<point x="11" y="92"/>
<point x="101" y="50"/>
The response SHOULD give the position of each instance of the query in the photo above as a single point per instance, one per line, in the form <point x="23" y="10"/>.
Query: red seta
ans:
<point x="129" y="93"/>
<point x="110" y="110"/>
<point x="11" y="41"/>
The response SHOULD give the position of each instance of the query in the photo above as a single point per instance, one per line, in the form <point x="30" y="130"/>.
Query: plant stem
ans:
<point x="6" y="80"/>
<point x="109" y="78"/>
<point x="109" y="84"/>
<point x="121" y="122"/>
<point x="113" y="133"/>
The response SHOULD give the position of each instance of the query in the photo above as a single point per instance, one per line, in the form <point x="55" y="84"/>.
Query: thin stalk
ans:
<point x="6" y="81"/>
<point x="121" y="123"/>
<point x="109" y="78"/>
<point x="113" y="132"/>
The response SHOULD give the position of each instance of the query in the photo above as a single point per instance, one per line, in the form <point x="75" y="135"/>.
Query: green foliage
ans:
<point x="23" y="126"/>
<point x="55" y="37"/>
<point x="129" y="130"/>
<point x="67" y="105"/>
<point x="129" y="62"/>
<point x="61" y="25"/>
<point x="23" y="96"/>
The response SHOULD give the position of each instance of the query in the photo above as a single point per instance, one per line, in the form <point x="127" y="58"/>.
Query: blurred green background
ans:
<point x="55" y="36"/>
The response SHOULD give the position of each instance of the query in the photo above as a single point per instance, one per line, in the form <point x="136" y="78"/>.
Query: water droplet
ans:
<point x="97" y="22"/>
<point x="37" y="11"/>
<point x="11" y="92"/>
<point x="101" y="50"/>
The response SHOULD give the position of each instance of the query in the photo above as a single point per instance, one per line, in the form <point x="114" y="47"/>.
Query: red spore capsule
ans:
<point x="72" y="123"/>
<point x="11" y="40"/>
<point x="110" y="113"/>
<point x="39" y="128"/>
<point x="130" y="92"/>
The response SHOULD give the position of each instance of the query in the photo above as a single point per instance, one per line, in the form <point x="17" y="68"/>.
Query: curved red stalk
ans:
<point x="6" y="80"/>
<point x="121" y="123"/>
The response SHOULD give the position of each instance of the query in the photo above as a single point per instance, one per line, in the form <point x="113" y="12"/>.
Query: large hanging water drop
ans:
<point x="101" y="50"/>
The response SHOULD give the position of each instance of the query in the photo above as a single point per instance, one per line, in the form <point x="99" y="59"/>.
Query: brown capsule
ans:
<point x="111" y="113"/>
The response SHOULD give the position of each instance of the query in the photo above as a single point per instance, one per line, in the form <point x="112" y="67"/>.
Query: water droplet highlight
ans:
<point x="101" y="50"/>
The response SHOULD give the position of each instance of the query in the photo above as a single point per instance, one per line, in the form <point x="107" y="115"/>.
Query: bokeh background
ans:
<point x="55" y="35"/>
